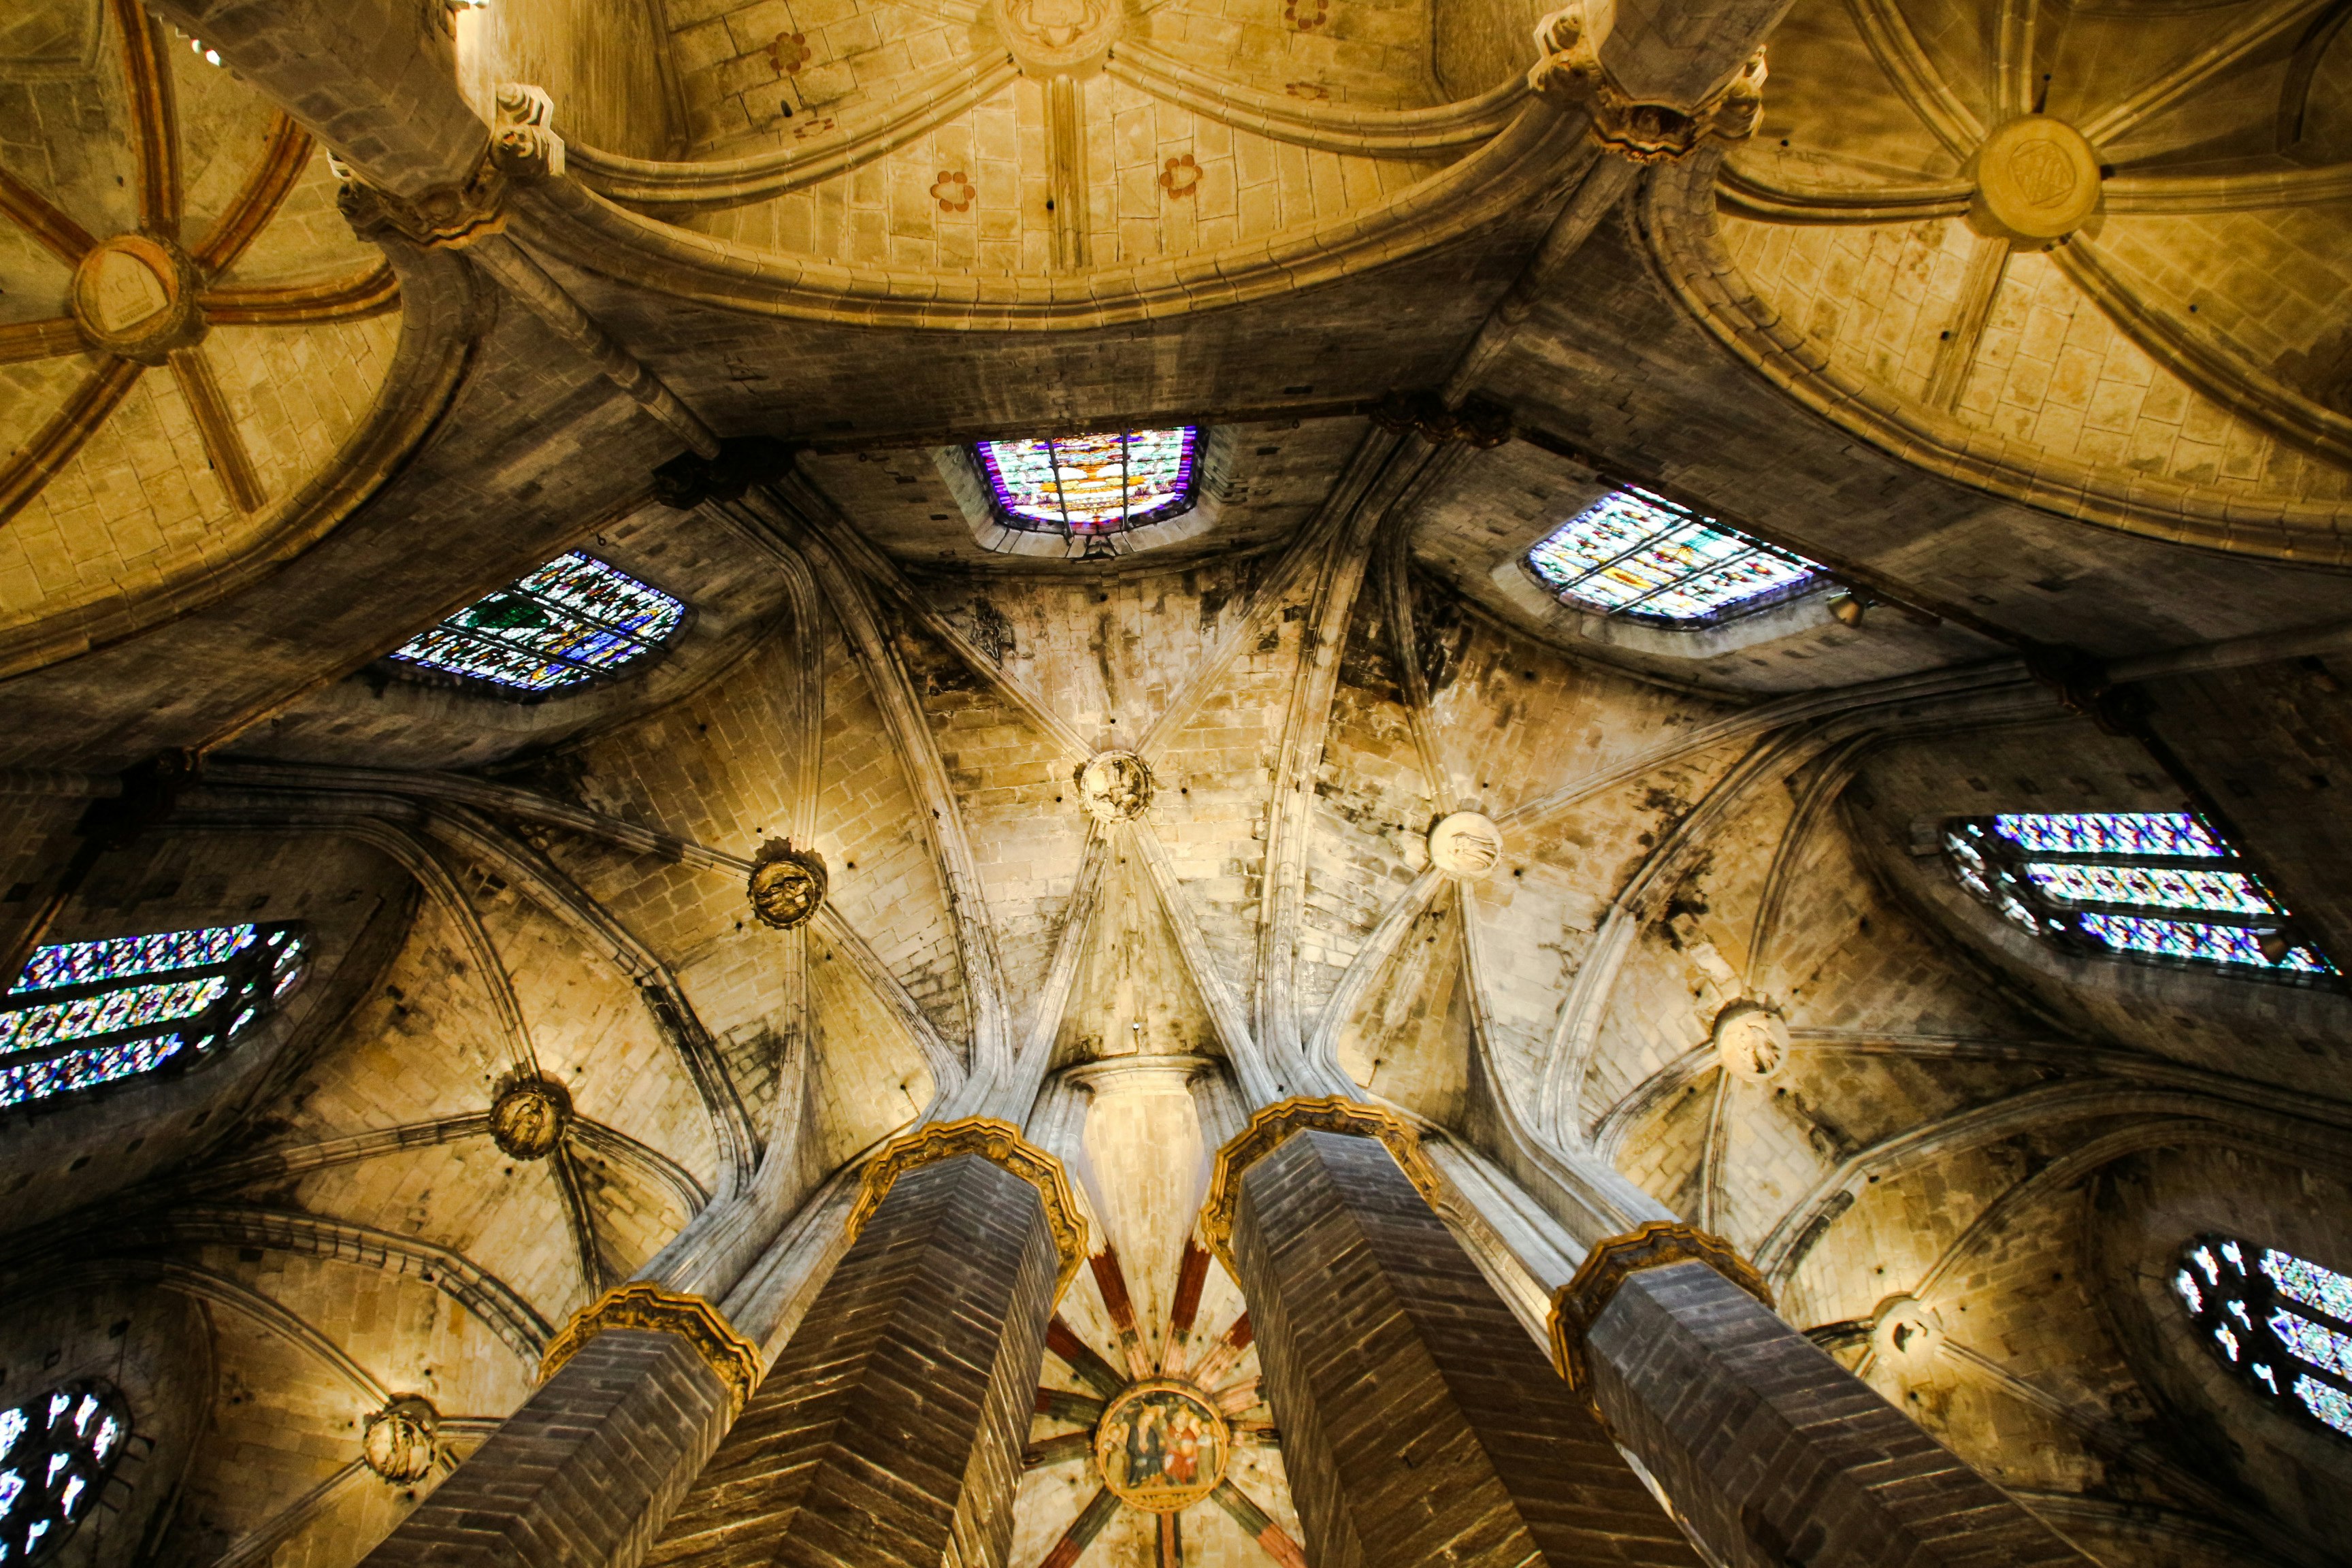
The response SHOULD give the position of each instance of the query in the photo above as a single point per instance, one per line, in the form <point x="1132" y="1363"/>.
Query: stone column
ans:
<point x="634" y="1394"/>
<point x="891" y="1427"/>
<point x="1773" y="1453"/>
<point x="1420" y="1423"/>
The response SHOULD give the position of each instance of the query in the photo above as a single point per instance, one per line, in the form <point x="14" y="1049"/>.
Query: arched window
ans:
<point x="87" y="1012"/>
<point x="572" y="621"/>
<point x="55" y="1453"/>
<point x="1638" y="556"/>
<point x="2282" y="1322"/>
<point x="2152" y="885"/>
<point x="1076" y="485"/>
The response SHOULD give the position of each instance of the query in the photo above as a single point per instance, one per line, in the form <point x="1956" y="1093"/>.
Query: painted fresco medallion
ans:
<point x="1161" y="1446"/>
<point x="1114" y="786"/>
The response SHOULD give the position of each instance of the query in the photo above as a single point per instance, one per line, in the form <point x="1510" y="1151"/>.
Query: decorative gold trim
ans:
<point x="641" y="1304"/>
<point x="1273" y="1124"/>
<point x="1653" y="1244"/>
<point x="1000" y="1144"/>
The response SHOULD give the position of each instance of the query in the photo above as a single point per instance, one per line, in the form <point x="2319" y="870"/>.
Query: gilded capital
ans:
<point x="1268" y="1129"/>
<point x="640" y="1304"/>
<point x="1000" y="1144"/>
<point x="1653" y="1245"/>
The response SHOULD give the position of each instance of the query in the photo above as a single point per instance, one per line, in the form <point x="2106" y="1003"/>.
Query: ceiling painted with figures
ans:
<point x="1945" y="474"/>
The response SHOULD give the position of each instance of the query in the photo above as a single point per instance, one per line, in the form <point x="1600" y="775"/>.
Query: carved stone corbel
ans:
<point x="643" y="1305"/>
<point x="1653" y="1244"/>
<point x="522" y="148"/>
<point x="1000" y="1144"/>
<point x="446" y="217"/>
<point x="1571" y="70"/>
<point x="523" y="144"/>
<point x="1476" y="423"/>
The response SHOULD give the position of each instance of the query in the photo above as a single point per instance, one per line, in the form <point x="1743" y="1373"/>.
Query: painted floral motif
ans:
<point x="953" y="192"/>
<point x="1181" y="178"/>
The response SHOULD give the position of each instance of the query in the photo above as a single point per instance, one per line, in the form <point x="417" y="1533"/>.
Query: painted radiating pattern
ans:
<point x="86" y="1013"/>
<point x="1093" y="484"/>
<point x="2156" y="885"/>
<point x="2283" y="1323"/>
<point x="57" y="1450"/>
<point x="574" y="620"/>
<point x="1636" y="554"/>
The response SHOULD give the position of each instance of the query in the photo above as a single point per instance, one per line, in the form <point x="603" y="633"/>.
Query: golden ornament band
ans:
<point x="641" y="1305"/>
<point x="1268" y="1129"/>
<point x="1000" y="1144"/>
<point x="1578" y="1304"/>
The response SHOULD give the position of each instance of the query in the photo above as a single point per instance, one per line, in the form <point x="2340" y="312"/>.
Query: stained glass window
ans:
<point x="86" y="1013"/>
<point x="2149" y="884"/>
<point x="1092" y="484"/>
<point x="2283" y="1323"/>
<point x="572" y="621"/>
<point x="1635" y="554"/>
<point x="56" y="1451"/>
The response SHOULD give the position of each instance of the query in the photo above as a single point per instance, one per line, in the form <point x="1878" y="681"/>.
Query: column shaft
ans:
<point x="1777" y="1455"/>
<point x="1421" y="1424"/>
<point x="889" y="1430"/>
<point x="583" y="1475"/>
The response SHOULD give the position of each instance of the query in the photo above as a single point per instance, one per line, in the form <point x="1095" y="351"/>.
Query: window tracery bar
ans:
<point x="2302" y="1359"/>
<point x="2161" y="886"/>
<point x="56" y="1451"/>
<point x="574" y="620"/>
<point x="1099" y="483"/>
<point x="86" y="1013"/>
<point x="1641" y="556"/>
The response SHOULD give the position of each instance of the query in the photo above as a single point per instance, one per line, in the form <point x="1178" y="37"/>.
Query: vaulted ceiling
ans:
<point x="2048" y="474"/>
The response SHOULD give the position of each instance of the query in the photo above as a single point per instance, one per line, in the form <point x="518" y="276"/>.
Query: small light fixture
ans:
<point x="1847" y="608"/>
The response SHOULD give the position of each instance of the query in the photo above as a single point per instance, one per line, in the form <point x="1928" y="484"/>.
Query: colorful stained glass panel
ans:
<point x="2111" y="833"/>
<point x="1093" y="484"/>
<point x="2317" y="1344"/>
<point x="2326" y="1401"/>
<point x="2300" y="1279"/>
<point x="572" y="621"/>
<point x="2210" y="943"/>
<point x="138" y="1001"/>
<point x="1634" y="553"/>
<point x="2155" y="887"/>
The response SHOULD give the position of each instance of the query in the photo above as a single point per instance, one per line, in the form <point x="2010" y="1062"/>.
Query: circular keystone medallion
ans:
<point x="528" y="1118"/>
<point x="1905" y="1329"/>
<point x="1751" y="1040"/>
<point x="1465" y="845"/>
<point x="1161" y="1446"/>
<point x="2038" y="177"/>
<point x="787" y="884"/>
<point x="136" y="296"/>
<point x="1058" y="37"/>
<point x="399" y="1442"/>
<point x="1114" y="786"/>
